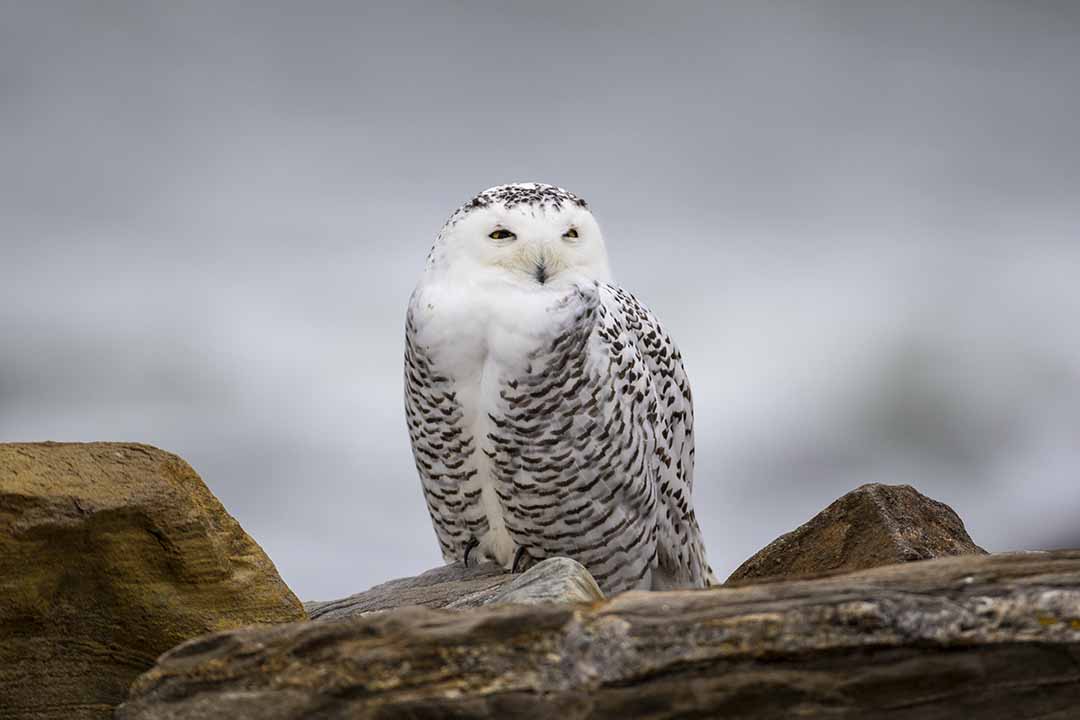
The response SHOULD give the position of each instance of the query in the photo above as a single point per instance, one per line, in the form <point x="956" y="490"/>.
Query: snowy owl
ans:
<point x="549" y="412"/>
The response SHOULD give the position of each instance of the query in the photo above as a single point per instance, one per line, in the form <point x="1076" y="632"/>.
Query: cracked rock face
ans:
<point x="111" y="554"/>
<point x="871" y="526"/>
<point x="972" y="636"/>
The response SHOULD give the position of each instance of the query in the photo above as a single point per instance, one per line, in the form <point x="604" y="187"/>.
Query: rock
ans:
<point x="555" y="580"/>
<point x="872" y="525"/>
<point x="435" y="588"/>
<point x="110" y="554"/>
<point x="986" y="636"/>
<point x="455" y="586"/>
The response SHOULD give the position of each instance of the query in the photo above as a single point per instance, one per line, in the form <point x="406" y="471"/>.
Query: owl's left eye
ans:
<point x="501" y="234"/>
<point x="570" y="234"/>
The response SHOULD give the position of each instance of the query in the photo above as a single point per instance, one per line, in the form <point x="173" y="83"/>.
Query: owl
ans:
<point x="549" y="412"/>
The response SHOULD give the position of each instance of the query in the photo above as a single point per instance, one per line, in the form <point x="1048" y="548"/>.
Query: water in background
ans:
<point x="860" y="225"/>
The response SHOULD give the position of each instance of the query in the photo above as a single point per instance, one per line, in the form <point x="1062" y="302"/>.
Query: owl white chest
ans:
<point x="480" y="338"/>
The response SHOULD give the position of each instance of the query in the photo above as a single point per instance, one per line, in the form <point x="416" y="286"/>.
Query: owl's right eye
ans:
<point x="502" y="234"/>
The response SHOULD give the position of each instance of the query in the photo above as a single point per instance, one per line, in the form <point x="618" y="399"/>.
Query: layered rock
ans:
<point x="993" y="637"/>
<point x="456" y="586"/>
<point x="871" y="526"/>
<point x="111" y="554"/>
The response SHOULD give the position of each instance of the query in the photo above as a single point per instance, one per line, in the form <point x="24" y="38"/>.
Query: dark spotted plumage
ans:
<point x="589" y="446"/>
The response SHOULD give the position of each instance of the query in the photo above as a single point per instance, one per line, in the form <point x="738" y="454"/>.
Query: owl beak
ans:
<point x="542" y="263"/>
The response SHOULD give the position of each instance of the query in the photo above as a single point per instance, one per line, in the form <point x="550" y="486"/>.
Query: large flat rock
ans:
<point x="871" y="526"/>
<point x="456" y="586"/>
<point x="992" y="637"/>
<point x="110" y="554"/>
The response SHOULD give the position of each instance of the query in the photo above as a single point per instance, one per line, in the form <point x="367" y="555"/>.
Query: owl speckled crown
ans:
<point x="538" y="195"/>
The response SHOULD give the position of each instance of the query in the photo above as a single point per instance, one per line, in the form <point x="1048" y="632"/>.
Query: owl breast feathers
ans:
<point x="565" y="429"/>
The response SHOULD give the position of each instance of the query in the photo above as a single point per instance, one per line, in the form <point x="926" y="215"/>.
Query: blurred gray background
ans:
<point x="861" y="224"/>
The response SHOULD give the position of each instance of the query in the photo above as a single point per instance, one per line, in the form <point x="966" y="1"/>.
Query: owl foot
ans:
<point x="471" y="545"/>
<point x="522" y="561"/>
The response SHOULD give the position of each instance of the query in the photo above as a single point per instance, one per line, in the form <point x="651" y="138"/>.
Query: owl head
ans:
<point x="530" y="235"/>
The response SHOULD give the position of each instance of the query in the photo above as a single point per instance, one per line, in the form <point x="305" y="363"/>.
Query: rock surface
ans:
<point x="871" y="526"/>
<point x="455" y="586"/>
<point x="991" y="637"/>
<point x="110" y="554"/>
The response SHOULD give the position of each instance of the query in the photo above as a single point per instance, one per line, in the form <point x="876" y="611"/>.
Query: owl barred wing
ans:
<point x="439" y="443"/>
<point x="572" y="451"/>
<point x="586" y="452"/>
<point x="593" y="448"/>
<point x="647" y="372"/>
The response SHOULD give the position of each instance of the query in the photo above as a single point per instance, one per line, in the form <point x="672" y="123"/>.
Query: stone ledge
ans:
<point x="988" y="636"/>
<point x="456" y="587"/>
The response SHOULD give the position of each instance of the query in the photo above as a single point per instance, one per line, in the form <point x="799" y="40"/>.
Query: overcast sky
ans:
<point x="860" y="223"/>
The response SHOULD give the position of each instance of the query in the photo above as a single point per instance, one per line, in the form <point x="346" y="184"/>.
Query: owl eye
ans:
<point x="502" y="234"/>
<point x="570" y="234"/>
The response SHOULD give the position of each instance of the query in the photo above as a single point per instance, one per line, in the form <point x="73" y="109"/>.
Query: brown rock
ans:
<point x="872" y="525"/>
<point x="110" y="554"/>
<point x="992" y="637"/>
<point x="455" y="586"/>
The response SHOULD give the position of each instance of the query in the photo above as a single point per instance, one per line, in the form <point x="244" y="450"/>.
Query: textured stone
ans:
<point x="110" y="554"/>
<point x="872" y="525"/>
<point x="455" y="586"/>
<point x="994" y="637"/>
<point x="555" y="580"/>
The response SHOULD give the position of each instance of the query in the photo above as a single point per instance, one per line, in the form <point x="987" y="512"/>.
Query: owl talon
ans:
<point x="522" y="561"/>
<point x="472" y="544"/>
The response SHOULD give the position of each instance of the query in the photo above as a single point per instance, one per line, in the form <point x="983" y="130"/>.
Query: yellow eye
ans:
<point x="571" y="234"/>
<point x="502" y="234"/>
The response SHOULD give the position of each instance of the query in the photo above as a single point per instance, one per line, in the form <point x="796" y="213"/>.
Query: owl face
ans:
<point x="527" y="242"/>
